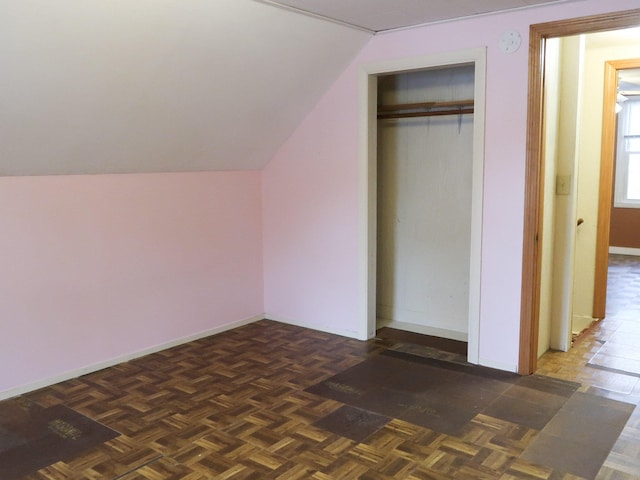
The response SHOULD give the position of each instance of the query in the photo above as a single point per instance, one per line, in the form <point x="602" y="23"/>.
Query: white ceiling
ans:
<point x="380" y="15"/>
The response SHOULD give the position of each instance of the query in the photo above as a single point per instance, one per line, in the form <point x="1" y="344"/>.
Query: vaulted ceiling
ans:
<point x="95" y="86"/>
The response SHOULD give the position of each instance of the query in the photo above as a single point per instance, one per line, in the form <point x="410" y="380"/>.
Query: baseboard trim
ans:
<point x="582" y="322"/>
<point x="625" y="251"/>
<point x="13" y="392"/>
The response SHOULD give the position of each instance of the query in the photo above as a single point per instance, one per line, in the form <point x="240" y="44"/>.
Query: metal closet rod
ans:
<point x="456" y="107"/>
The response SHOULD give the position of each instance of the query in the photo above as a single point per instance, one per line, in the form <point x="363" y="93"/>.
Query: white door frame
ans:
<point x="367" y="179"/>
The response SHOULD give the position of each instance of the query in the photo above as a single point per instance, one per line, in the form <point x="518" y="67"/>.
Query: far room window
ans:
<point x="627" y="188"/>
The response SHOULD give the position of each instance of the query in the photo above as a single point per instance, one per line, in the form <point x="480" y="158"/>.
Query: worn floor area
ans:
<point x="32" y="437"/>
<point x="572" y="432"/>
<point x="603" y="360"/>
<point x="275" y="401"/>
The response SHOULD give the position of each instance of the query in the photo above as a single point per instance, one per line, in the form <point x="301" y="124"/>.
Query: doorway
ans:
<point x="578" y="178"/>
<point x="534" y="195"/>
<point x="618" y="206"/>
<point x="374" y="79"/>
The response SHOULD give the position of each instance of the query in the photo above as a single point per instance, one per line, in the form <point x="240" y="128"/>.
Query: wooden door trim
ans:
<point x="607" y="162"/>
<point x="531" y="257"/>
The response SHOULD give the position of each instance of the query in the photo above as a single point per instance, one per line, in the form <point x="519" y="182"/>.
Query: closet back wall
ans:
<point x="424" y="205"/>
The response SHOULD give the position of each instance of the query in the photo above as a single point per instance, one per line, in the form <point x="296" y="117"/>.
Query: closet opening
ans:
<point x="424" y="131"/>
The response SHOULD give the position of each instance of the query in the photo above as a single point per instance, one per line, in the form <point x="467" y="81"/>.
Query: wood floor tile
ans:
<point x="620" y="465"/>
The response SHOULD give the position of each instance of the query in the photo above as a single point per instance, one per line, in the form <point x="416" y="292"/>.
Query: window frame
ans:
<point x="622" y="162"/>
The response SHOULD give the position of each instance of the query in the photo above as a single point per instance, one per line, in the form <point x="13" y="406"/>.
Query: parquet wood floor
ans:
<point x="234" y="406"/>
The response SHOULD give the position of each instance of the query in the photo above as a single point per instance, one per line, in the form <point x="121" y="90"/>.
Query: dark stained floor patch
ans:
<point x="429" y="352"/>
<point x="445" y="397"/>
<point x="578" y="439"/>
<point x="427" y="392"/>
<point x="354" y="423"/>
<point x="33" y="437"/>
<point x="526" y="407"/>
<point x="467" y="368"/>
<point x="556" y="386"/>
<point x="442" y="344"/>
<point x="577" y="430"/>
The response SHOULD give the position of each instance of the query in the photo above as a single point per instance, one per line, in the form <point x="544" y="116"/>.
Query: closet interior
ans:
<point x="424" y="194"/>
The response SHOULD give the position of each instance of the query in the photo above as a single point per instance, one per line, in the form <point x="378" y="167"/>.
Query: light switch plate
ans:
<point x="563" y="185"/>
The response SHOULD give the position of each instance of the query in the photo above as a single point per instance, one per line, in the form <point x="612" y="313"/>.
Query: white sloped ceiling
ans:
<point x="114" y="86"/>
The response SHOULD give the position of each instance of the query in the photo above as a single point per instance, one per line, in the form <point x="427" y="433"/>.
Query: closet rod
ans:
<point x="413" y="106"/>
<point x="430" y="109"/>
<point x="433" y="113"/>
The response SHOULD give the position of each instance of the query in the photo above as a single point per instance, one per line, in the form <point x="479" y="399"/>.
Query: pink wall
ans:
<point x="310" y="203"/>
<point x="95" y="268"/>
<point x="311" y="186"/>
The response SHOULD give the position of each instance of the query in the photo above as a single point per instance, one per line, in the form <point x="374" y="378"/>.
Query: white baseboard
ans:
<point x="625" y="251"/>
<point x="423" y="329"/>
<point x="579" y="323"/>
<point x="13" y="392"/>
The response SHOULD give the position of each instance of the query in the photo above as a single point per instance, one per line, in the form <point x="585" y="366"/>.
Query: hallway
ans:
<point x="607" y="356"/>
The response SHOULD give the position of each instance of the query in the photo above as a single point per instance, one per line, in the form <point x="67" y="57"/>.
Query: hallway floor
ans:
<point x="606" y="360"/>
<point x="274" y="401"/>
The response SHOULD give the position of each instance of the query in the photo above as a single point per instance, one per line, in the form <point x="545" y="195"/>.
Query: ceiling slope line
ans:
<point x="474" y="15"/>
<point x="427" y="18"/>
<point x="316" y="15"/>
